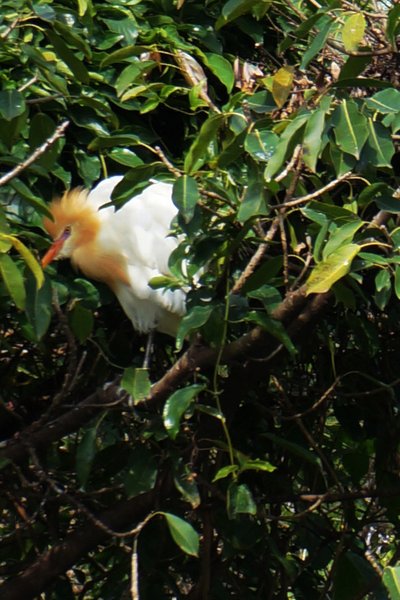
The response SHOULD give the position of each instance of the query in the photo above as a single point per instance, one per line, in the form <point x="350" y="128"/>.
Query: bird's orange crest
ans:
<point x="73" y="210"/>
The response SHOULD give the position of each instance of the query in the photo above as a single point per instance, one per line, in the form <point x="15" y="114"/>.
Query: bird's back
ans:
<point x="140" y="230"/>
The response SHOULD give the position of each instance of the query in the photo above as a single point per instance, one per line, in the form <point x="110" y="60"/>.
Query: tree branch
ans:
<point x="58" y="133"/>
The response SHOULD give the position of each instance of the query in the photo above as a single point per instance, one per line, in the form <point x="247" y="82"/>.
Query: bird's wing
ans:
<point x="140" y="231"/>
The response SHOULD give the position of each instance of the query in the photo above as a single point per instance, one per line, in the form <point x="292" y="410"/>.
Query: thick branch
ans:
<point x="64" y="555"/>
<point x="294" y="311"/>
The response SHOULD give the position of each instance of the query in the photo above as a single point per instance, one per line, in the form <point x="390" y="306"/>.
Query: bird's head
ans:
<point x="74" y="224"/>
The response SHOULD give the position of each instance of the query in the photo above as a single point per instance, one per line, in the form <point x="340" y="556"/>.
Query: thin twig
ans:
<point x="58" y="133"/>
<point x="316" y="194"/>
<point x="257" y="257"/>
<point x="166" y="162"/>
<point x="290" y="165"/>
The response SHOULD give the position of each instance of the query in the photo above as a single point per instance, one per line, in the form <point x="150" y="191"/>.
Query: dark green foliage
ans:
<point x="258" y="458"/>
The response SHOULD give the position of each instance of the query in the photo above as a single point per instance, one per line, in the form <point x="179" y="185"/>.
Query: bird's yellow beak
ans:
<point x="53" y="251"/>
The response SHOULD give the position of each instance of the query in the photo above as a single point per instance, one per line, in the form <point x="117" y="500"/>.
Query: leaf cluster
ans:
<point x="258" y="457"/>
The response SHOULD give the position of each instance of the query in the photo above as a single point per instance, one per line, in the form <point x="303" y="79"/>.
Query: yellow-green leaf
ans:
<point x="13" y="280"/>
<point x="27" y="255"/>
<point x="353" y="31"/>
<point x="282" y="84"/>
<point x="327" y="272"/>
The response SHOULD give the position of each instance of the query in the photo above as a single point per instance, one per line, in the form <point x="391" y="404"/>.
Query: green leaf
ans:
<point x="341" y="236"/>
<point x="42" y="127"/>
<point x="397" y="281"/>
<point x="353" y="574"/>
<point x="362" y="82"/>
<point x="385" y="101"/>
<point x="261" y="102"/>
<point x="254" y="202"/>
<point x="27" y="255"/>
<point x="342" y="162"/>
<point x="38" y="306"/>
<point x="127" y="28"/>
<point x="226" y="472"/>
<point x="141" y="471"/>
<point x="183" y="534"/>
<point x="198" y="151"/>
<point x="354" y="66"/>
<point x="327" y="272"/>
<point x="286" y="142"/>
<point x="86" y="452"/>
<point x="81" y="321"/>
<point x="382" y="280"/>
<point x="125" y="157"/>
<point x="257" y="465"/>
<point x="353" y="31"/>
<point x="350" y="127"/>
<point x="318" y="42"/>
<point x="194" y="319"/>
<point x="131" y="74"/>
<point x="379" y="148"/>
<point x="185" y="196"/>
<point x="13" y="280"/>
<point x="137" y="383"/>
<point x="312" y="140"/>
<point x="393" y="24"/>
<point x="273" y="327"/>
<point x="73" y="37"/>
<point x="391" y="580"/>
<point x="120" y="55"/>
<point x="176" y="405"/>
<point x="77" y="67"/>
<point x="221" y="68"/>
<point x="233" y="9"/>
<point x="185" y="483"/>
<point x="29" y="196"/>
<point x="240" y="500"/>
<point x="261" y="144"/>
<point x="12" y="104"/>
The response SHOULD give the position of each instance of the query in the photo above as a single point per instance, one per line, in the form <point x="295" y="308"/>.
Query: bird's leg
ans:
<point x="149" y="349"/>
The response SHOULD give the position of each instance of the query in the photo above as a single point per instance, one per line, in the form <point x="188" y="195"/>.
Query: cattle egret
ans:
<point x="124" y="248"/>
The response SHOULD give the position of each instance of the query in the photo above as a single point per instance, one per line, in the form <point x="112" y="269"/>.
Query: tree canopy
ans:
<point x="258" y="456"/>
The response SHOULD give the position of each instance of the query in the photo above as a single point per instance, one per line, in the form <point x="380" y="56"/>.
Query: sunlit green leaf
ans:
<point x="318" y="41"/>
<point x="240" y="500"/>
<point x="176" y="405"/>
<point x="385" y="101"/>
<point x="336" y="266"/>
<point x="183" y="534"/>
<point x="221" y="68"/>
<point x="287" y="141"/>
<point x="391" y="579"/>
<point x="137" y="383"/>
<point x="261" y="144"/>
<point x="353" y="31"/>
<point x="351" y="128"/>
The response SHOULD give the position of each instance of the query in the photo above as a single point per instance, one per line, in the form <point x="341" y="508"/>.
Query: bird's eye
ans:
<point x="67" y="230"/>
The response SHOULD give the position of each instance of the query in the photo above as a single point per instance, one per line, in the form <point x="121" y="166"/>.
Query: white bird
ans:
<point x="124" y="248"/>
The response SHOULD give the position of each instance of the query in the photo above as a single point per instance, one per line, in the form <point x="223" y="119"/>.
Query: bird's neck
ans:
<point x="108" y="267"/>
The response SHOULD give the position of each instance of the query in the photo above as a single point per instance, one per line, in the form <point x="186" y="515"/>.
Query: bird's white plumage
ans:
<point x="140" y="230"/>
